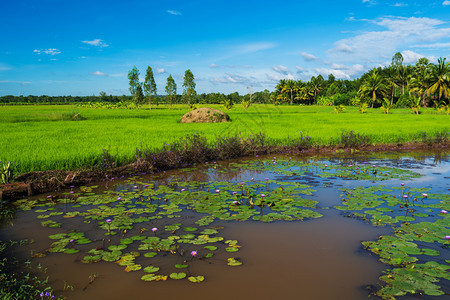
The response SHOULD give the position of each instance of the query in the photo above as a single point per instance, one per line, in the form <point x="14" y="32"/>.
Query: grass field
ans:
<point x="44" y="137"/>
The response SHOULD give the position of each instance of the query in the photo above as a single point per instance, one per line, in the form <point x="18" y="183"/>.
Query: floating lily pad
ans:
<point x="177" y="275"/>
<point x="233" y="262"/>
<point x="151" y="269"/>
<point x="153" y="277"/>
<point x="196" y="278"/>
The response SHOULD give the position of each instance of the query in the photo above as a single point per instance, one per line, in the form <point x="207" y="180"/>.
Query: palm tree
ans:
<point x="440" y="79"/>
<point x="373" y="87"/>
<point x="402" y="76"/>
<point x="317" y="85"/>
<point x="289" y="87"/>
<point x="390" y="74"/>
<point x="418" y="84"/>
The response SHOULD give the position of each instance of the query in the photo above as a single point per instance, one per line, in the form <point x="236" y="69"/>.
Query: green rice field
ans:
<point x="46" y="137"/>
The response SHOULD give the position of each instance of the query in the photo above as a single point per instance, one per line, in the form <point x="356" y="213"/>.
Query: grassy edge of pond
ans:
<point x="49" y="141"/>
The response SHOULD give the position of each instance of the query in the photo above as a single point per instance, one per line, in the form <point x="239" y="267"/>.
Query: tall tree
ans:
<point x="440" y="79"/>
<point x="149" y="86"/>
<point x="374" y="87"/>
<point x="397" y="60"/>
<point x="135" y="86"/>
<point x="189" y="86"/>
<point x="289" y="87"/>
<point x="171" y="89"/>
<point x="317" y="84"/>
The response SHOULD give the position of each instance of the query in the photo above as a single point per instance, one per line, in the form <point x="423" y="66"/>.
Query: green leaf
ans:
<point x="233" y="262"/>
<point x="177" y="275"/>
<point x="196" y="278"/>
<point x="151" y="269"/>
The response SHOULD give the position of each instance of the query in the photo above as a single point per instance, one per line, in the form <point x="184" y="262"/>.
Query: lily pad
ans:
<point x="180" y="275"/>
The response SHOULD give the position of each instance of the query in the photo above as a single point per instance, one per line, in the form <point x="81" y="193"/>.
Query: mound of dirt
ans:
<point x="205" y="115"/>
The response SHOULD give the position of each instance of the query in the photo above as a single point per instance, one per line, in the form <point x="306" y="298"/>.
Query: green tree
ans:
<point x="149" y="86"/>
<point x="440" y="79"/>
<point x="373" y="87"/>
<point x="289" y="87"/>
<point x="171" y="89"/>
<point x="397" y="60"/>
<point x="316" y="84"/>
<point x="135" y="86"/>
<point x="189" y="86"/>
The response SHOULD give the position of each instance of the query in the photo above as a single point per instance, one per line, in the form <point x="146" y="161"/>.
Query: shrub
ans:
<point x="339" y="108"/>
<point x="350" y="139"/>
<point x="325" y="101"/>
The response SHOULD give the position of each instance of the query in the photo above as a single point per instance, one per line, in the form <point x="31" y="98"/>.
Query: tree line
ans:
<point x="396" y="85"/>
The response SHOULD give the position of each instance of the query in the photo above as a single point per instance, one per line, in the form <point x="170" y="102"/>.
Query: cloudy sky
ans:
<point x="62" y="47"/>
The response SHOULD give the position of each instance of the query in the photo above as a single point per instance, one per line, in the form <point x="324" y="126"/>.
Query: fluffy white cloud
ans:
<point x="213" y="66"/>
<point x="281" y="69"/>
<point x="445" y="3"/>
<point x="98" y="73"/>
<point x="50" y="51"/>
<point x="341" y="71"/>
<point x="309" y="57"/>
<point x="410" y="57"/>
<point x="160" y="70"/>
<point x="391" y="34"/>
<point x="97" y="43"/>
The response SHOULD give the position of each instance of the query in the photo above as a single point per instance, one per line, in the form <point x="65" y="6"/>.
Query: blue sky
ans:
<point x="61" y="47"/>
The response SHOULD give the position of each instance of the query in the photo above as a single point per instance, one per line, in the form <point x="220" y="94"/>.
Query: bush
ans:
<point x="325" y="101"/>
<point x="350" y="139"/>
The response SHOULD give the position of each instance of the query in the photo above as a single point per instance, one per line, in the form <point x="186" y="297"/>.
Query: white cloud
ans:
<point x="392" y="34"/>
<point x="342" y="47"/>
<point x="341" y="71"/>
<point x="400" y="4"/>
<point x="50" y="51"/>
<point x="445" y="3"/>
<point x="309" y="57"/>
<point x="160" y="71"/>
<point x="98" y="73"/>
<point x="299" y="69"/>
<point x="281" y="69"/>
<point x="96" y="42"/>
<point x="174" y="12"/>
<point x="369" y="2"/>
<point x="410" y="57"/>
<point x="117" y="75"/>
<point x="4" y="67"/>
<point x="22" y="83"/>
<point x="213" y="66"/>
<point x="432" y="46"/>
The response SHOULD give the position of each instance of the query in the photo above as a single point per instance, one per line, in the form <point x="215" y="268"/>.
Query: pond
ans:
<point x="342" y="227"/>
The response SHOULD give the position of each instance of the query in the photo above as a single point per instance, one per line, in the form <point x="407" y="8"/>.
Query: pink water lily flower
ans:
<point x="425" y="195"/>
<point x="193" y="253"/>
<point x="444" y="211"/>
<point x="154" y="229"/>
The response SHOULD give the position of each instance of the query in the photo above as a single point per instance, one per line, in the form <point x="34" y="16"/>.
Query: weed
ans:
<point x="350" y="139"/>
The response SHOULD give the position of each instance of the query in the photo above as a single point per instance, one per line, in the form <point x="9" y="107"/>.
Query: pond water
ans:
<point x="263" y="227"/>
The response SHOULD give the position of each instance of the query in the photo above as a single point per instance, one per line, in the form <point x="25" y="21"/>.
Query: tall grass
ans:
<point x="47" y="137"/>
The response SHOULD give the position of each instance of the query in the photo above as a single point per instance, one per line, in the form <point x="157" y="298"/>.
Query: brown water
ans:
<point x="316" y="259"/>
<point x="319" y="259"/>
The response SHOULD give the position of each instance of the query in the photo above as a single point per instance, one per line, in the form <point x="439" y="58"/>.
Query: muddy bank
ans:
<point x="32" y="183"/>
